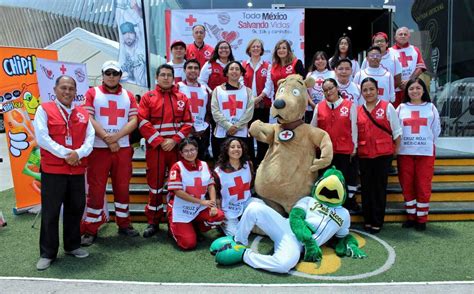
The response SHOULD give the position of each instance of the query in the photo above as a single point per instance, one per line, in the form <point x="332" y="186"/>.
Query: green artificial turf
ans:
<point x="442" y="253"/>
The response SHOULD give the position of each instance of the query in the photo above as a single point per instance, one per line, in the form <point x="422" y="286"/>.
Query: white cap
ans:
<point x="111" y="64"/>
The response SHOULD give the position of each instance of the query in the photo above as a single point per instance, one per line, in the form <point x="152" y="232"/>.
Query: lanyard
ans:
<point x="61" y="111"/>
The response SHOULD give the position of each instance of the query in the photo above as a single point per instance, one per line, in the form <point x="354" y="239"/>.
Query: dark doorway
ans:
<point x="323" y="27"/>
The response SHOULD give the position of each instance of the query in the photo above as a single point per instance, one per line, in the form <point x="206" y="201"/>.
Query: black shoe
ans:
<point x="352" y="205"/>
<point x="129" y="231"/>
<point x="87" y="240"/>
<point x="408" y="224"/>
<point x="150" y="231"/>
<point x="367" y="228"/>
<point x="420" y="226"/>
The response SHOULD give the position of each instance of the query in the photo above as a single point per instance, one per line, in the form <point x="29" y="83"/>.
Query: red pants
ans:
<point x="158" y="162"/>
<point x="103" y="162"/>
<point x="415" y="173"/>
<point x="185" y="234"/>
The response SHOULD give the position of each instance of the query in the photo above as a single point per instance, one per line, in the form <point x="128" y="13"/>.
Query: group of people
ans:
<point x="204" y="98"/>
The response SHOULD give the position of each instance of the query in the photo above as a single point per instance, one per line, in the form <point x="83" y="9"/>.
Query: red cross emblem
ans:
<point x="190" y="20"/>
<point x="346" y="95"/>
<point x="232" y="105"/>
<point x="415" y="122"/>
<point x="404" y="59"/>
<point x="112" y="112"/>
<point x="198" y="189"/>
<point x="381" y="91"/>
<point x="239" y="188"/>
<point x="286" y="135"/>
<point x="319" y="82"/>
<point x="195" y="102"/>
<point x="62" y="69"/>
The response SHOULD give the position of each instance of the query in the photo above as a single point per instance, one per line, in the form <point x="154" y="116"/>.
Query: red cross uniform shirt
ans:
<point x="349" y="91"/>
<point x="179" y="74"/>
<point x="410" y="58"/>
<point x="235" y="190"/>
<point x="384" y="80"/>
<point x="420" y="128"/>
<point x="316" y="92"/>
<point x="198" y="99"/>
<point x="232" y="107"/>
<point x="194" y="180"/>
<point x="111" y="110"/>
<point x="389" y="62"/>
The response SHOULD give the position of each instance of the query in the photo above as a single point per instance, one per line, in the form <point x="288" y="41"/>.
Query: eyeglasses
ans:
<point x="165" y="75"/>
<point x="375" y="55"/>
<point x="382" y="41"/>
<point x="189" y="151"/>
<point x="112" y="73"/>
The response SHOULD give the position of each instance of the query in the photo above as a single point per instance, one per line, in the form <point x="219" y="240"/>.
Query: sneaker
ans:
<point x="420" y="226"/>
<point x="129" y="231"/>
<point x="408" y="224"/>
<point x="43" y="263"/>
<point x="230" y="254"/>
<point x="87" y="240"/>
<point x="79" y="253"/>
<point x="150" y="231"/>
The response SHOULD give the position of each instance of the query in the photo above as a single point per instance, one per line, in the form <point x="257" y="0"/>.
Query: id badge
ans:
<point x="68" y="140"/>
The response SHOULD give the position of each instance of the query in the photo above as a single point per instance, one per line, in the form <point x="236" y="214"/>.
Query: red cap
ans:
<point x="380" y="34"/>
<point x="178" y="42"/>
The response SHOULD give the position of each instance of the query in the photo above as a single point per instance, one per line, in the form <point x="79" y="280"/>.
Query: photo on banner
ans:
<point x="129" y="16"/>
<point x="238" y="27"/>
<point x="20" y="97"/>
<point x="50" y="70"/>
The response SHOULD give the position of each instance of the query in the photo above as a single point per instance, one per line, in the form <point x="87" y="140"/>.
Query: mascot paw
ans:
<point x="312" y="252"/>
<point x="219" y="243"/>
<point x="355" y="252"/>
<point x="230" y="254"/>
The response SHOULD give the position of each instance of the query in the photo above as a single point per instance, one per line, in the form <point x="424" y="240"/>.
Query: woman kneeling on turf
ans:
<point x="234" y="178"/>
<point x="189" y="181"/>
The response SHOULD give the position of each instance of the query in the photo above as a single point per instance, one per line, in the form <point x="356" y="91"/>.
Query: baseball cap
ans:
<point x="111" y="64"/>
<point x="178" y="42"/>
<point x="127" y="27"/>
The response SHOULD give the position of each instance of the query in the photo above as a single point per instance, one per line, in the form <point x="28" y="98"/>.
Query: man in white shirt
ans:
<point x="178" y="50"/>
<point x="347" y="88"/>
<point x="65" y="135"/>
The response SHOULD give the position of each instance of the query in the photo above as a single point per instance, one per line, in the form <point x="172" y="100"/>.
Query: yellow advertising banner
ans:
<point x="19" y="95"/>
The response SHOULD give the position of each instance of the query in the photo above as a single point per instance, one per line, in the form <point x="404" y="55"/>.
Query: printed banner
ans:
<point x="50" y="70"/>
<point x="132" y="36"/>
<point x="19" y="96"/>
<point x="238" y="27"/>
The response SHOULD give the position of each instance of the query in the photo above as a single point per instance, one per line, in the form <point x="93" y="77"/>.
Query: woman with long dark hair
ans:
<point x="378" y="140"/>
<point x="212" y="73"/>
<point x="285" y="63"/>
<point x="319" y="71"/>
<point x="420" y="129"/>
<point x="344" y="50"/>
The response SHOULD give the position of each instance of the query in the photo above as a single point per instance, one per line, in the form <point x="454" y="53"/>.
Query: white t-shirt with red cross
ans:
<point x="420" y="128"/>
<point x="111" y="110"/>
<point x="316" y="92"/>
<point x="235" y="190"/>
<point x="349" y="91"/>
<point x="194" y="182"/>
<point x="232" y="104"/>
<point x="384" y="80"/>
<point x="389" y="62"/>
<point x="198" y="99"/>
<point x="179" y="74"/>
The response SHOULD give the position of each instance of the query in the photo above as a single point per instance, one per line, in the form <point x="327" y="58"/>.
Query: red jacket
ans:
<point x="164" y="114"/>
<point x="337" y="122"/>
<point x="280" y="72"/>
<point x="374" y="142"/>
<point x="260" y="79"/>
<point x="57" y="130"/>
<point x="202" y="54"/>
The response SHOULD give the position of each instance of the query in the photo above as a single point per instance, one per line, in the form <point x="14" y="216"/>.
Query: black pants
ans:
<point x="343" y="163"/>
<point x="373" y="178"/>
<point x="218" y="142"/>
<point x="262" y="114"/>
<point x="203" y="144"/>
<point x="57" y="189"/>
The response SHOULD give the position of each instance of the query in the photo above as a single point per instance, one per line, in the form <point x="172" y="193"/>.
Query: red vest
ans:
<point x="216" y="77"/>
<point x="337" y="122"/>
<point x="260" y="79"/>
<point x="57" y="130"/>
<point x="280" y="72"/>
<point x="202" y="55"/>
<point x="373" y="141"/>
